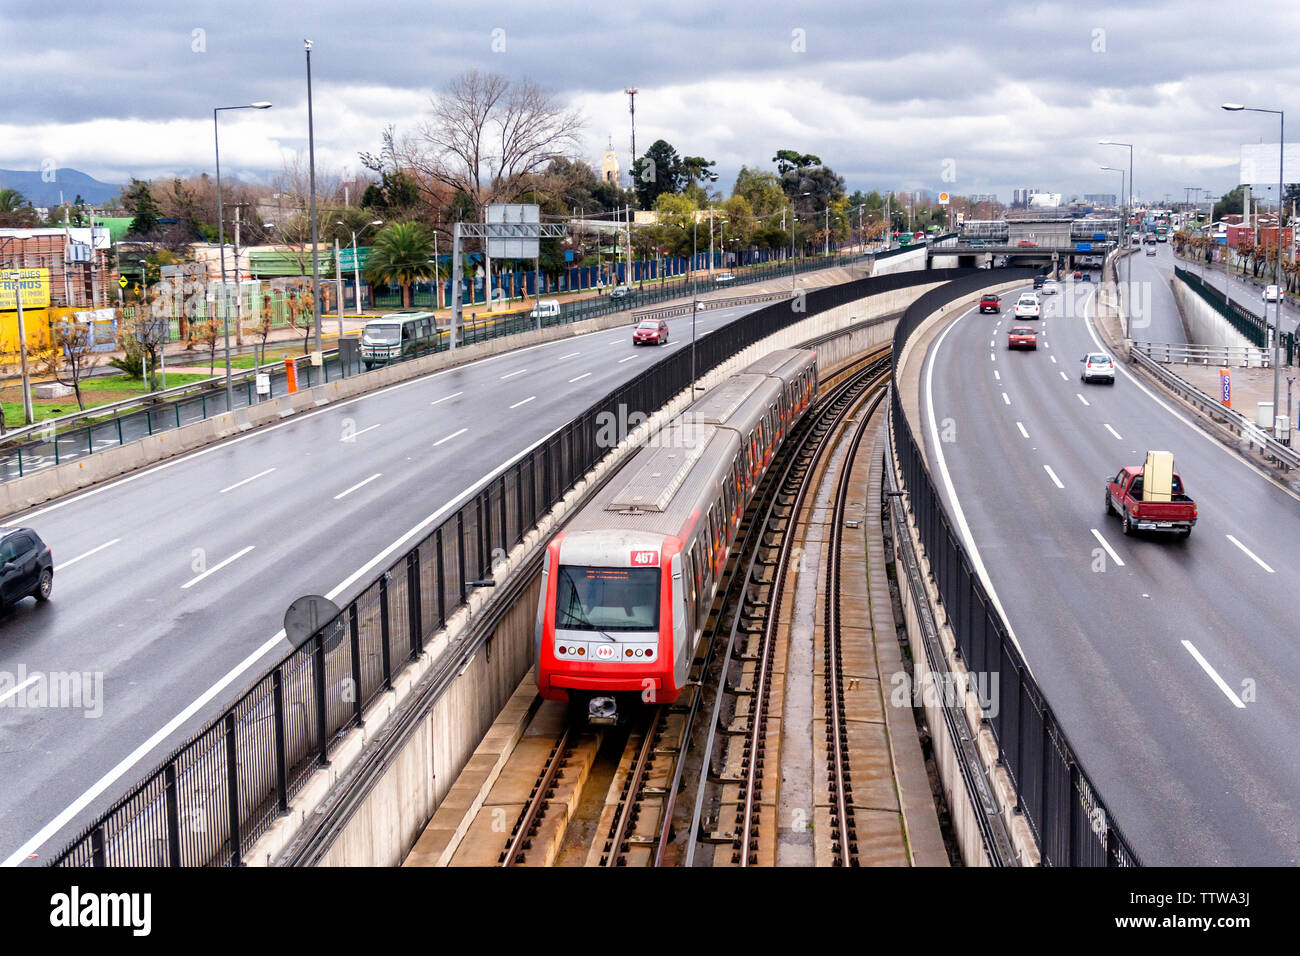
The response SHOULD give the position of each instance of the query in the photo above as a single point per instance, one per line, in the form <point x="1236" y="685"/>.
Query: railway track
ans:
<point x="719" y="763"/>
<point x="735" y="745"/>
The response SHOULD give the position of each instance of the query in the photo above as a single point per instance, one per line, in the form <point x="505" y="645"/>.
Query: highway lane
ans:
<point x="1173" y="673"/>
<point x="1151" y="304"/>
<point x="172" y="582"/>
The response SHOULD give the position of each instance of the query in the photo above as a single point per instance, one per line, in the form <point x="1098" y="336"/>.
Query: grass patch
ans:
<point x="96" y="392"/>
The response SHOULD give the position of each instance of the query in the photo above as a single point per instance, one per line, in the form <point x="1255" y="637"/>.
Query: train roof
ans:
<point x="781" y="362"/>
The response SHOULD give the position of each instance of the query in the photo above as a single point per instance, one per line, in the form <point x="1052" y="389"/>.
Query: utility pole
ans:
<point x="631" y="92"/>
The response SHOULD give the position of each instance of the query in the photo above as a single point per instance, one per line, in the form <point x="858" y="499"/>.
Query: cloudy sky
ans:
<point x="998" y="94"/>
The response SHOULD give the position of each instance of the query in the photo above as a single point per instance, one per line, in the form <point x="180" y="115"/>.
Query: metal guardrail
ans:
<point x="1067" y="815"/>
<point x="1242" y="356"/>
<point x="211" y="799"/>
<point x="1230" y="417"/>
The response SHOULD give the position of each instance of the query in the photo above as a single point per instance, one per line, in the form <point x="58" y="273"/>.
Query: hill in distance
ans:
<point x="71" y="181"/>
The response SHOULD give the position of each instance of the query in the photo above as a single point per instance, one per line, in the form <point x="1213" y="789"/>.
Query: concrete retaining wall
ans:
<point x="389" y="818"/>
<point x="1204" y="324"/>
<point x="909" y="261"/>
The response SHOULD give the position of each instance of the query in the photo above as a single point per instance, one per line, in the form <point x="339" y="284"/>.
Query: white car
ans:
<point x="1027" y="306"/>
<point x="1097" y="366"/>
<point x="1050" y="288"/>
<point x="1271" y="293"/>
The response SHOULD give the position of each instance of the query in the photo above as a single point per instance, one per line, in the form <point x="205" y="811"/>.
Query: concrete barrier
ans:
<point x="1204" y="324"/>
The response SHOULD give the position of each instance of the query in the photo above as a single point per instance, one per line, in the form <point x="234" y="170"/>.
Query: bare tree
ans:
<point x="486" y="132"/>
<point x="72" y="354"/>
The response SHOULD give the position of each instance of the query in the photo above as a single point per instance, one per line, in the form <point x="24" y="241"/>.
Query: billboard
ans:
<point x="348" y="264"/>
<point x="35" y="285"/>
<point x="1259" y="163"/>
<point x="514" y="214"/>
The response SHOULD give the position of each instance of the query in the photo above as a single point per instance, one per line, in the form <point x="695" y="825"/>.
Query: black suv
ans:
<point x="26" y="566"/>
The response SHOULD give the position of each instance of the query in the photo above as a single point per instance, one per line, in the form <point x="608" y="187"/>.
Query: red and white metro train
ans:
<point x="627" y="585"/>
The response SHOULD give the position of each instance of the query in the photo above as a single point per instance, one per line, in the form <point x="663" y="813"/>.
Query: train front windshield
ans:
<point x="607" y="599"/>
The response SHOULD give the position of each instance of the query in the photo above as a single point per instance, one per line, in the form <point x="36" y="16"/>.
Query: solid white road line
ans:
<point x="579" y="378"/>
<point x="524" y="402"/>
<point x="1214" y="675"/>
<point x="344" y="494"/>
<point x="1251" y="554"/>
<point x="1005" y="400"/>
<point x="446" y="398"/>
<point x="1051" y="474"/>
<point x="569" y="356"/>
<point x="945" y="476"/>
<point x="450" y="437"/>
<point x="1081" y="398"/>
<point x="1023" y="433"/>
<point x="513" y="374"/>
<point x="245" y="481"/>
<point x="13" y="690"/>
<point x="216" y="567"/>
<point x="1115" y="433"/>
<point x="368" y="428"/>
<point x="1109" y="550"/>
<point x="70" y="563"/>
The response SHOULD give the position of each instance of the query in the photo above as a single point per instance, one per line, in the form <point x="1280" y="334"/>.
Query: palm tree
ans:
<point x="401" y="253"/>
<point x="11" y="200"/>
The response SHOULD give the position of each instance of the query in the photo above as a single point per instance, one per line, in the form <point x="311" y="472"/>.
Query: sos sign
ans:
<point x="645" y="559"/>
<point x="1225" y="387"/>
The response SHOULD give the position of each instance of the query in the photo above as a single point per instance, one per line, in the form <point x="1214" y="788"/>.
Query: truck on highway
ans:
<point x="1151" y="497"/>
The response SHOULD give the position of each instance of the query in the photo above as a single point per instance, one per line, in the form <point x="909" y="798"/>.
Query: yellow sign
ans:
<point x="35" y="285"/>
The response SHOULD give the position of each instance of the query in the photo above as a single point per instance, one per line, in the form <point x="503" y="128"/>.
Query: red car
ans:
<point x="990" y="303"/>
<point x="1022" y="338"/>
<point x="1078" y="273"/>
<point x="1026" y="244"/>
<point x="650" y="331"/>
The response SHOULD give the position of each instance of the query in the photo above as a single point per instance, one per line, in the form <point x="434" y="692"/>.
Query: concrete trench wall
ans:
<point x="1205" y="326"/>
<point x="903" y="262"/>
<point x="389" y="818"/>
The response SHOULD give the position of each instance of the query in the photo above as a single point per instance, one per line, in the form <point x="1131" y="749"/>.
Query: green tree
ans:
<point x="788" y="160"/>
<point x="659" y="171"/>
<point x="762" y="190"/>
<point x="15" y="210"/>
<point x="145" y="212"/>
<point x="401" y="254"/>
<point x="1230" y="202"/>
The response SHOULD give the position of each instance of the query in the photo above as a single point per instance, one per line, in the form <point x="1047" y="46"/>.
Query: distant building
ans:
<point x="609" y="169"/>
<point x="1106" y="200"/>
<point x="75" y="258"/>
<point x="1039" y="200"/>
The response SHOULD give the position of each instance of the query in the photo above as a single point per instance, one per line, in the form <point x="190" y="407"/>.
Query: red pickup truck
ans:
<point x="1125" y="496"/>
<point x="990" y="302"/>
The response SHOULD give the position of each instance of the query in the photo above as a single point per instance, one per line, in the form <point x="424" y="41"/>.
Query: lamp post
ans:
<point x="221" y="236"/>
<point x="315" y="226"/>
<point x="356" y="263"/>
<point x="1277" y="322"/>
<point x="793" y="220"/>
<point x="1128" y="208"/>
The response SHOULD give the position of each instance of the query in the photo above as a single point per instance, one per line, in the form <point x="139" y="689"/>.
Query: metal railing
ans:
<point x="54" y="441"/>
<point x="212" y="798"/>
<point x="1067" y="815"/>
<point x="1243" y="356"/>
<point x="1252" y="326"/>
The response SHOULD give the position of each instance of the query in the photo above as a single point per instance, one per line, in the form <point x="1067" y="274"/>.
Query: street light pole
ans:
<point x="315" y="227"/>
<point x="221" y="237"/>
<point x="356" y="263"/>
<point x="1277" y="321"/>
<point x="1128" y="206"/>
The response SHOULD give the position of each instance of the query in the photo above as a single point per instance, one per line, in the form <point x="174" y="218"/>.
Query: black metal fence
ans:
<point x="109" y="429"/>
<point x="215" y="795"/>
<point x="1062" y="806"/>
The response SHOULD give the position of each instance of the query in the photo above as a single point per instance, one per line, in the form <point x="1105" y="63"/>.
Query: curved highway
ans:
<point x="171" y="583"/>
<point x="1172" y="665"/>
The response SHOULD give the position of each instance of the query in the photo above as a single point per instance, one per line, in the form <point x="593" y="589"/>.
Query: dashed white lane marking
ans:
<point x="1053" y="358"/>
<point x="216" y="567"/>
<point x="69" y="563"/>
<point x="1214" y="675"/>
<point x="579" y="378"/>
<point x="997" y="376"/>
<point x="992" y="357"/>
<point x="1081" y="398"/>
<point x="569" y="356"/>
<point x="524" y="402"/>
<point x="1005" y="400"/>
<point x="446" y="398"/>
<point x="450" y="437"/>
<point x="366" y="481"/>
<point x="1109" y="550"/>
<point x="990" y="343"/>
<point x="1251" y="554"/>
<point x="628" y="359"/>
<point x="1051" y="474"/>
<point x="368" y="428"/>
<point x="1023" y="433"/>
<point x="513" y="374"/>
<point x="1115" y="433"/>
<point x="1064" y="377"/>
<point x="260" y="474"/>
